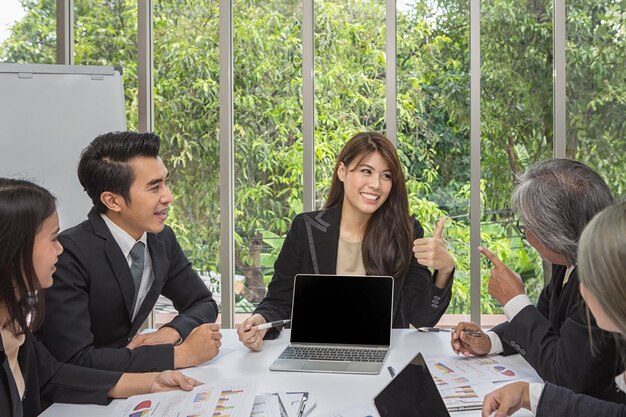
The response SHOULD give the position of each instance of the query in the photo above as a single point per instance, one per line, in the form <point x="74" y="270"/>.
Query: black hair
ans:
<point x="104" y="164"/>
<point x="24" y="207"/>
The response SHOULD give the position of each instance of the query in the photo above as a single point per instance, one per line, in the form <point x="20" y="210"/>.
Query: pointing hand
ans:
<point x="504" y="284"/>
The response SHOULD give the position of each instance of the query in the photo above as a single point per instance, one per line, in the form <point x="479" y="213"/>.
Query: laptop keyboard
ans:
<point x="334" y="354"/>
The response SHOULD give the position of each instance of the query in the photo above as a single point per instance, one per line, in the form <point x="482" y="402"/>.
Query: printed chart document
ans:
<point x="464" y="382"/>
<point x="232" y="398"/>
<point x="455" y="371"/>
<point x="465" y="397"/>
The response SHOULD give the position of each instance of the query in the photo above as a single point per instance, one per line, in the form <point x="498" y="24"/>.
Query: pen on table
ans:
<point x="392" y="371"/>
<point x="437" y="330"/>
<point x="271" y="324"/>
<point x="472" y="407"/>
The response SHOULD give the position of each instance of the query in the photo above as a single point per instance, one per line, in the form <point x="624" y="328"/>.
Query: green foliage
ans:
<point x="350" y="80"/>
<point x="33" y="38"/>
<point x="596" y="58"/>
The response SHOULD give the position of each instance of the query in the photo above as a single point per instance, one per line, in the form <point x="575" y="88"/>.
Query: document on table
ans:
<point x="230" y="398"/>
<point x="267" y="405"/>
<point x="464" y="382"/>
<point x="464" y="397"/>
<point x="455" y="371"/>
<point x="282" y="404"/>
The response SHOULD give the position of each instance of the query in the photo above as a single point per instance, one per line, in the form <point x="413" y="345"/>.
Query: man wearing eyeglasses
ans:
<point x="554" y="199"/>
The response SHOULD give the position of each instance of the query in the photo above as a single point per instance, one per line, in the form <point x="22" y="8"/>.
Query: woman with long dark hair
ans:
<point x="364" y="229"/>
<point x="30" y="377"/>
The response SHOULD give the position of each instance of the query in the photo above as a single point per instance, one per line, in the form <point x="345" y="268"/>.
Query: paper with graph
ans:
<point x="232" y="398"/>
<point x="457" y="371"/>
<point x="464" y="382"/>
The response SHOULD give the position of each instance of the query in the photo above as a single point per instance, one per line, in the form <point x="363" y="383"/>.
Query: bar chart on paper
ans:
<point x="228" y="401"/>
<point x="462" y="392"/>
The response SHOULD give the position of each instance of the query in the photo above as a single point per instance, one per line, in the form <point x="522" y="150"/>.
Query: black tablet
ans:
<point x="411" y="393"/>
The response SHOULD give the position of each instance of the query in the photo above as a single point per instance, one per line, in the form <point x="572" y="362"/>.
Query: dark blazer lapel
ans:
<point x="119" y="264"/>
<point x="16" y="404"/>
<point x="158" y="256"/>
<point x="323" y="233"/>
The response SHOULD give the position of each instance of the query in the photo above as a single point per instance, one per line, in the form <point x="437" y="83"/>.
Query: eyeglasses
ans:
<point x="521" y="228"/>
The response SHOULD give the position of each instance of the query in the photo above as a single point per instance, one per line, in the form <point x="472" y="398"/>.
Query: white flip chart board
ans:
<point x="48" y="114"/>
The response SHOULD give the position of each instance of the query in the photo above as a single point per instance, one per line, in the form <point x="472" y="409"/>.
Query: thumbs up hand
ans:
<point x="433" y="253"/>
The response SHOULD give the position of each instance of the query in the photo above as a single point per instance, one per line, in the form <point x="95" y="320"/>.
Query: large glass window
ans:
<point x="433" y="123"/>
<point x="267" y="49"/>
<point x="596" y="88"/>
<point x="105" y="33"/>
<point x="516" y="124"/>
<point x="28" y="31"/>
<point x="186" y="116"/>
<point x="350" y="92"/>
<point x="350" y="79"/>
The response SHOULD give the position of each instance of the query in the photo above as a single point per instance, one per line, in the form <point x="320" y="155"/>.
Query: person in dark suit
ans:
<point x="365" y="228"/>
<point x="118" y="262"/>
<point x="555" y="199"/>
<point x="30" y="378"/>
<point x="602" y="261"/>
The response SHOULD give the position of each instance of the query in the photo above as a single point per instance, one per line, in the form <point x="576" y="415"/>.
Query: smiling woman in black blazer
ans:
<point x="30" y="377"/>
<point x="365" y="228"/>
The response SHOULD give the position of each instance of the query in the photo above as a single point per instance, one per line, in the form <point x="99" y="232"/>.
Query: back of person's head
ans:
<point x="387" y="239"/>
<point x="556" y="199"/>
<point x="602" y="262"/>
<point x="24" y="207"/>
<point x="104" y="164"/>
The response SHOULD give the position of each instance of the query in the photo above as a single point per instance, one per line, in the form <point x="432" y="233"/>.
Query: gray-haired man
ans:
<point x="554" y="199"/>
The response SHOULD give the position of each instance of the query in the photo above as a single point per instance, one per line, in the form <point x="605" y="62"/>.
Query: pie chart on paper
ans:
<point x="142" y="409"/>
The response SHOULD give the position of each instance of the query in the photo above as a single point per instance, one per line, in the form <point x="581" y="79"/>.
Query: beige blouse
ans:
<point x="349" y="258"/>
<point x="12" y="346"/>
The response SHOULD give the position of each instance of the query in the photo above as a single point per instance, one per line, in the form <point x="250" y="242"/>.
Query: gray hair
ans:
<point x="602" y="261"/>
<point x="556" y="198"/>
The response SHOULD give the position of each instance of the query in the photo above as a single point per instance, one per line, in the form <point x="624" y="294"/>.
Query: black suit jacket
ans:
<point x="554" y="338"/>
<point x="47" y="380"/>
<point x="558" y="401"/>
<point x="88" y="318"/>
<point x="310" y="247"/>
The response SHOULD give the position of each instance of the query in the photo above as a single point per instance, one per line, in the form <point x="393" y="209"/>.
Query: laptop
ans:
<point x="413" y="393"/>
<point x="339" y="324"/>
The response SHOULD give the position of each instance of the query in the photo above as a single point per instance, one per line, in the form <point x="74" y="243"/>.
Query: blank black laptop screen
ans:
<point x="334" y="309"/>
<point x="411" y="393"/>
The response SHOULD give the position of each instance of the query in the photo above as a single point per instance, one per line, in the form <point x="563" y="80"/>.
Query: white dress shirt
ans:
<point x="126" y="243"/>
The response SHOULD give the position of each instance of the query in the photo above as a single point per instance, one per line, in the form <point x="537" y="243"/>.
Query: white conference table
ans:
<point x="331" y="392"/>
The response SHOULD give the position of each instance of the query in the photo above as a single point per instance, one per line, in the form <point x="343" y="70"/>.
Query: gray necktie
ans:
<point x="136" y="267"/>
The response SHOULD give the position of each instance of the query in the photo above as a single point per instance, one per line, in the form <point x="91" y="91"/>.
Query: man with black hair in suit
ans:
<point x="118" y="262"/>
